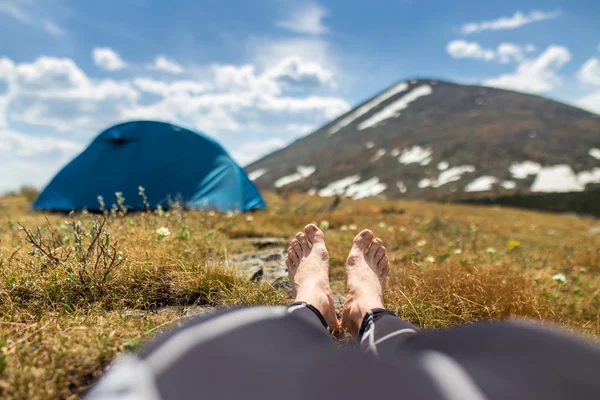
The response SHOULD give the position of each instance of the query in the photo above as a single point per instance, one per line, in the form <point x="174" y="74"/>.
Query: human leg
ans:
<point x="378" y="330"/>
<point x="308" y="270"/>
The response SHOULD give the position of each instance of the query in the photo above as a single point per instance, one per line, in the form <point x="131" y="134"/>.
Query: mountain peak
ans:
<point x="428" y="138"/>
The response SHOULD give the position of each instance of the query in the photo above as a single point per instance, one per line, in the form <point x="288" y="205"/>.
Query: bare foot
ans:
<point x="366" y="275"/>
<point x="308" y="270"/>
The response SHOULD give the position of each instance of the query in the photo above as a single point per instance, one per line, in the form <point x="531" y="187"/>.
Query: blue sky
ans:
<point x="258" y="74"/>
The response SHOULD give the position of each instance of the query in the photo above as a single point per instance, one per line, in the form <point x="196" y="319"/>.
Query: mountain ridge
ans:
<point x="426" y="138"/>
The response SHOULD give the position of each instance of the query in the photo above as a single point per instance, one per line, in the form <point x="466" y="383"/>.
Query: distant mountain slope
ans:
<point x="434" y="139"/>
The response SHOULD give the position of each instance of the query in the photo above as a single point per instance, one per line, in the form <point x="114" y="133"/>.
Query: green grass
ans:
<point x="68" y="283"/>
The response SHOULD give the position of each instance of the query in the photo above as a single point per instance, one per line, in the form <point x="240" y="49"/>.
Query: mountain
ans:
<point x="432" y="139"/>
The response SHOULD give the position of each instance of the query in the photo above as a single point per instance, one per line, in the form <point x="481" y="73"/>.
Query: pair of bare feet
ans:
<point x="367" y="267"/>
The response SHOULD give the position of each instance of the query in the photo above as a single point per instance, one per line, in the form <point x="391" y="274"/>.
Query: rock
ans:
<point x="197" y="311"/>
<point x="284" y="284"/>
<point x="266" y="242"/>
<point x="250" y="269"/>
<point x="261" y="266"/>
<point x="269" y="266"/>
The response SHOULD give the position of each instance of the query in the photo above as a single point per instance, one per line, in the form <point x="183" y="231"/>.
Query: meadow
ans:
<point x="76" y="290"/>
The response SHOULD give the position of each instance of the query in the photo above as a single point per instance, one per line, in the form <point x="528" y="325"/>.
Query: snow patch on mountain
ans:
<point x="424" y="183"/>
<point x="401" y="187"/>
<point x="254" y="175"/>
<point x="378" y="154"/>
<point x="557" y="178"/>
<point x="595" y="153"/>
<point x="561" y="178"/>
<point x="415" y="154"/>
<point x="508" y="185"/>
<point x="368" y="188"/>
<point x="302" y="173"/>
<point x="369" y="145"/>
<point x="452" y="175"/>
<point x="523" y="169"/>
<point x="481" y="184"/>
<point x="393" y="110"/>
<point x="586" y="177"/>
<point x="338" y="187"/>
<point x="365" y="108"/>
<point x="443" y="165"/>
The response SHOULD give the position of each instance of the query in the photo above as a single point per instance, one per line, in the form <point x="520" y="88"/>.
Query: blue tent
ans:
<point x="169" y="162"/>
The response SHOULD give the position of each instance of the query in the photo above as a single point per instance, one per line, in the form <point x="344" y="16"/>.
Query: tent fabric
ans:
<point x="171" y="164"/>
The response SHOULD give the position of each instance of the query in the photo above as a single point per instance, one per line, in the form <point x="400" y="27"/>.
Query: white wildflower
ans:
<point x="352" y="227"/>
<point x="211" y="213"/>
<point x="230" y="214"/>
<point x="458" y="251"/>
<point x="163" y="231"/>
<point x="382" y="225"/>
<point x="490" y="250"/>
<point x="421" y="243"/>
<point x="343" y="228"/>
<point x="324" y="225"/>
<point x="402" y="229"/>
<point x="430" y="259"/>
<point x="249" y="218"/>
<point x="560" y="278"/>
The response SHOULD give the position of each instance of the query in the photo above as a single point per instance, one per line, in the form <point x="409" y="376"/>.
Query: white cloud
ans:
<point x="517" y="20"/>
<point x="32" y="14"/>
<point x="52" y="28"/>
<point x="162" y="63"/>
<point x="108" y="59"/>
<point x="31" y="160"/>
<point x="56" y="93"/>
<point x="25" y="146"/>
<point x="305" y="18"/>
<point x="252" y="151"/>
<point x="509" y="52"/>
<point x="464" y="49"/>
<point x="590" y="102"/>
<point x="589" y="73"/>
<point x="294" y="73"/>
<point x="266" y="52"/>
<point x="505" y="52"/>
<point x="170" y="88"/>
<point x="54" y="98"/>
<point x="536" y="75"/>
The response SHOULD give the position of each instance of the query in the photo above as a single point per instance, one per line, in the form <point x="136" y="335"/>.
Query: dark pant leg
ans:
<point x="510" y="360"/>
<point x="382" y="332"/>
<point x="224" y="356"/>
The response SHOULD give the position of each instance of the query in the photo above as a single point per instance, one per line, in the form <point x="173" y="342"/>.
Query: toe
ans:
<point x="383" y="263"/>
<point x="303" y="243"/>
<point x="297" y="248"/>
<point x="363" y="239"/>
<point x="294" y="256"/>
<point x="385" y="267"/>
<point x="375" y="247"/>
<point x="314" y="234"/>
<point x="289" y="263"/>
<point x="379" y="255"/>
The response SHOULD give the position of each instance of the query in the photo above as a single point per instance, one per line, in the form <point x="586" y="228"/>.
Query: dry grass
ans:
<point x="66" y="290"/>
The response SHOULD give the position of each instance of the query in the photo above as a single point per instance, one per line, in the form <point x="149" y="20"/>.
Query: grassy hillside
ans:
<point x="77" y="290"/>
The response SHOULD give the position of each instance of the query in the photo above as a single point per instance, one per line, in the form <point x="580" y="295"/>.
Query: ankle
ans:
<point x="359" y="306"/>
<point x="316" y="298"/>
